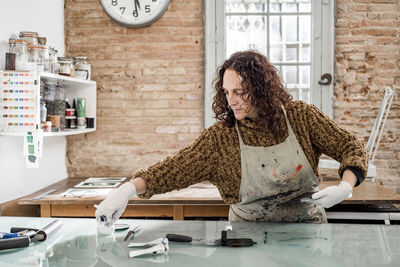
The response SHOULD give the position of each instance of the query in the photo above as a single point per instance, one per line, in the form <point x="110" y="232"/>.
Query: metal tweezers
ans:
<point x="132" y="232"/>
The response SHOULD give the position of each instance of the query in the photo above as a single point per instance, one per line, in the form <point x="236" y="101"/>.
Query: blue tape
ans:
<point x="6" y="235"/>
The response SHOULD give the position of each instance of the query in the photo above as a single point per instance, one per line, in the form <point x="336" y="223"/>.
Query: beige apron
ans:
<point x="274" y="179"/>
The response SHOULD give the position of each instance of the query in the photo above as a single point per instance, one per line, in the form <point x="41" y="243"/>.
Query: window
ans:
<point x="291" y="33"/>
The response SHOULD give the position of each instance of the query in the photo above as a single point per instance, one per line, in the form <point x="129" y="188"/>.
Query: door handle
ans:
<point x="326" y="79"/>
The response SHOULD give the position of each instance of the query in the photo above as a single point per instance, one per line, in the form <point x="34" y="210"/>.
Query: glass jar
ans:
<point x="39" y="54"/>
<point x="82" y="68"/>
<point x="45" y="56"/>
<point x="29" y="37"/>
<point x="60" y="105"/>
<point x="21" y="55"/>
<point x="66" y="66"/>
<point x="50" y="97"/>
<point x="53" y="64"/>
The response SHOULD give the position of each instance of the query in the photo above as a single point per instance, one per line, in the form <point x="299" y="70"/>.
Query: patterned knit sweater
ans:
<point x="215" y="155"/>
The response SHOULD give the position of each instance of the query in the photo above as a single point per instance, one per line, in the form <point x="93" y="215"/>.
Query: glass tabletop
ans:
<point x="77" y="244"/>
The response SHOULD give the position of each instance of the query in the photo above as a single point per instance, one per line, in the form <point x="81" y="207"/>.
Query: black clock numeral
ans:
<point x="122" y="10"/>
<point x="154" y="0"/>
<point x="114" y="2"/>
<point x="135" y="13"/>
<point x="147" y="8"/>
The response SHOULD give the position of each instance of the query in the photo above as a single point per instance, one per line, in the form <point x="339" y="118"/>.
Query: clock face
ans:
<point x="135" y="13"/>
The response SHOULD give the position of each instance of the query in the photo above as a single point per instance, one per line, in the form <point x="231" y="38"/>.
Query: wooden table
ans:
<point x="199" y="200"/>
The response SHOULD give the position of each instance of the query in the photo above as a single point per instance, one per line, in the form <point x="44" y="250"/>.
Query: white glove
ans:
<point x="331" y="195"/>
<point x="115" y="203"/>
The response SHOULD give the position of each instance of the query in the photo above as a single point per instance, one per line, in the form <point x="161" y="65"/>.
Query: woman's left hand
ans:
<point x="331" y="195"/>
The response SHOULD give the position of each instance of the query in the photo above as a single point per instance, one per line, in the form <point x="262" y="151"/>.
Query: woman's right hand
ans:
<point x="112" y="207"/>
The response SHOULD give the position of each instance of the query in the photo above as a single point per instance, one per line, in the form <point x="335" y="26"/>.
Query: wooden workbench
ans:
<point x="199" y="200"/>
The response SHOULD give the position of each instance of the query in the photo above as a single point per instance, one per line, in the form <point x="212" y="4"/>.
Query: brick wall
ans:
<point x="149" y="86"/>
<point x="150" y="83"/>
<point x="367" y="60"/>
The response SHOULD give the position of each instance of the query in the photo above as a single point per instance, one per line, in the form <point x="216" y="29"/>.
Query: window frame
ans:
<point x="322" y="39"/>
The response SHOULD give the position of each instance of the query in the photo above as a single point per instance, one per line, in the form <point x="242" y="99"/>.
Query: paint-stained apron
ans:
<point x="274" y="179"/>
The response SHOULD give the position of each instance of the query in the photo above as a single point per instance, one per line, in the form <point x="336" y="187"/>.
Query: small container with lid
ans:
<point x="82" y="68"/>
<point x="66" y="66"/>
<point x="30" y="37"/>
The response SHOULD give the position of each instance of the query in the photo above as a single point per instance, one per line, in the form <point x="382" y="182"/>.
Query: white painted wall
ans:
<point x="47" y="18"/>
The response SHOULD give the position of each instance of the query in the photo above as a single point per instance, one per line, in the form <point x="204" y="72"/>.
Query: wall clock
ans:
<point x="135" y="13"/>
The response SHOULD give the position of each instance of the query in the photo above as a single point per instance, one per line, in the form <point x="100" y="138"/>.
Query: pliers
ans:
<point x="132" y="232"/>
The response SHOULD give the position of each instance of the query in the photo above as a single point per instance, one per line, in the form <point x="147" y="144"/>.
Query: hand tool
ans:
<point x="20" y="229"/>
<point x="27" y="232"/>
<point x="121" y="226"/>
<point x="26" y="235"/>
<point x="161" y="248"/>
<point x="16" y="242"/>
<point x="133" y="232"/>
<point x="44" y="194"/>
<point x="224" y="241"/>
<point x="189" y="239"/>
<point x="24" y="231"/>
<point x="151" y="243"/>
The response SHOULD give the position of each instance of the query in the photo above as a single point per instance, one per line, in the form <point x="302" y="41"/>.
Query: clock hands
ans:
<point x="137" y="5"/>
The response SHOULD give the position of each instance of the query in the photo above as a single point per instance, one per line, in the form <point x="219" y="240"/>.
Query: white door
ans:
<point x="296" y="35"/>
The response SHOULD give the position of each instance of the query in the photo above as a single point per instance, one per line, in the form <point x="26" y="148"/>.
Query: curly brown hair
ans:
<point x="262" y="86"/>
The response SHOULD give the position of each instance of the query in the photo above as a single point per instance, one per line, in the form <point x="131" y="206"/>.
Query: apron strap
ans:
<point x="240" y="137"/>
<point x="290" y="130"/>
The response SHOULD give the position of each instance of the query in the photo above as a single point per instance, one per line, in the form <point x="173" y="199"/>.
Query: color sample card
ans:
<point x="32" y="149"/>
<point x="19" y="101"/>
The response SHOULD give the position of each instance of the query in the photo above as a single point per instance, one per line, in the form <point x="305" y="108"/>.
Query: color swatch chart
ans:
<point x="18" y="101"/>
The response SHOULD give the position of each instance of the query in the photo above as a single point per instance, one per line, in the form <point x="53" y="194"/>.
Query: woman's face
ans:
<point x="236" y="96"/>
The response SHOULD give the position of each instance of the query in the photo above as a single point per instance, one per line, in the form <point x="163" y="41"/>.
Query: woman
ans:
<point x="262" y="153"/>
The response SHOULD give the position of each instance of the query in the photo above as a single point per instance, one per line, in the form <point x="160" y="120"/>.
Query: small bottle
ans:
<point x="43" y="111"/>
<point x="73" y="123"/>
